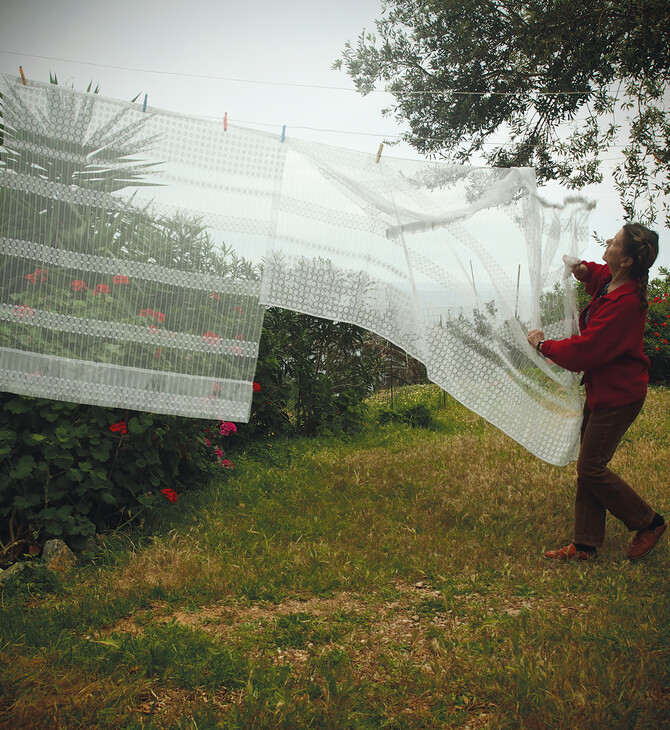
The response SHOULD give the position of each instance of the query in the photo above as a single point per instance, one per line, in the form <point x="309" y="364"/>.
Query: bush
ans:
<point x="657" y="331"/>
<point x="416" y="416"/>
<point x="70" y="470"/>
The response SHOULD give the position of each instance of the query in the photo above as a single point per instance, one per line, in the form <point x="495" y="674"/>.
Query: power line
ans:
<point x="396" y="137"/>
<point x="288" y="83"/>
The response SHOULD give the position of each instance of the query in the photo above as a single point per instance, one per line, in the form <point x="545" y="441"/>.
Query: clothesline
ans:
<point x="348" y="89"/>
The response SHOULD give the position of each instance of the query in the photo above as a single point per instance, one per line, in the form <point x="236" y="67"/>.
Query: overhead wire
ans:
<point x="394" y="137"/>
<point x="212" y="77"/>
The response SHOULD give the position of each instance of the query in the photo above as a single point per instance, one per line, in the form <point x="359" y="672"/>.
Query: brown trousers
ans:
<point x="599" y="490"/>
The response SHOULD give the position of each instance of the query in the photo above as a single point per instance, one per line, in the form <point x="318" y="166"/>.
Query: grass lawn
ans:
<point x="394" y="579"/>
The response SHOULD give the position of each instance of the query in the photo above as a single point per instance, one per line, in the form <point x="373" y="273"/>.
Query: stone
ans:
<point x="12" y="570"/>
<point x="57" y="556"/>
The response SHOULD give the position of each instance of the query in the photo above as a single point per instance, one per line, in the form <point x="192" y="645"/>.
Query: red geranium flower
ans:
<point x="101" y="289"/>
<point x="154" y="314"/>
<point x="40" y="274"/>
<point x="226" y="428"/>
<point x="120" y="279"/>
<point x="119" y="427"/>
<point x="214" y="295"/>
<point x="211" y="338"/>
<point x="23" y="311"/>
<point x="170" y="494"/>
<point x="78" y="285"/>
<point x="257" y="387"/>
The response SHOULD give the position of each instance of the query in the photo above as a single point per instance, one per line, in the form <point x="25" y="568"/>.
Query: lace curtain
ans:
<point x="139" y="249"/>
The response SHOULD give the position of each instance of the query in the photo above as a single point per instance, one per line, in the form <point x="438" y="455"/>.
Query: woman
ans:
<point x="609" y="352"/>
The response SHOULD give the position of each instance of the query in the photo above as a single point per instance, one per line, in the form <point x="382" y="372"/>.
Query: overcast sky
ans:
<point x="267" y="57"/>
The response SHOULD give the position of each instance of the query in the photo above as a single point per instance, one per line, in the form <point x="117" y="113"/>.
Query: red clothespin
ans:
<point x="225" y="122"/>
<point x="23" y="78"/>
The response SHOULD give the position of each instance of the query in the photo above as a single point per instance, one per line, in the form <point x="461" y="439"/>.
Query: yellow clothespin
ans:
<point x="379" y="151"/>
<point x="23" y="78"/>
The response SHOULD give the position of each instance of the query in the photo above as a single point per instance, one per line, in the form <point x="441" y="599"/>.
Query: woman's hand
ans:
<point x="535" y="336"/>
<point x="575" y="267"/>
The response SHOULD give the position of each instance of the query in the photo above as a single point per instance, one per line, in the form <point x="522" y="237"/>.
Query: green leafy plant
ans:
<point x="71" y="470"/>
<point x="657" y="331"/>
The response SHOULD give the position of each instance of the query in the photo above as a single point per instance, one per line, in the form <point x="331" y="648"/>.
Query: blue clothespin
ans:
<point x="283" y="133"/>
<point x="144" y="106"/>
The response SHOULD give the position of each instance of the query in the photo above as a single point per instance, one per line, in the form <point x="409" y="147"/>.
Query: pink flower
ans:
<point x="227" y="428"/>
<point x="214" y="295"/>
<point x="157" y="354"/>
<point x="218" y="452"/>
<point x="24" y="311"/>
<point x="208" y="442"/>
<point x="236" y="350"/>
<point x="147" y="313"/>
<point x="120" y="279"/>
<point x="101" y="289"/>
<point x="119" y="427"/>
<point x="152" y="328"/>
<point x="78" y="285"/>
<point x="227" y="464"/>
<point x="211" y="338"/>
<point x="257" y="387"/>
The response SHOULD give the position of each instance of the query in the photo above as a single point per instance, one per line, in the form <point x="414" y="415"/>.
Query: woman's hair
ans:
<point x="641" y="245"/>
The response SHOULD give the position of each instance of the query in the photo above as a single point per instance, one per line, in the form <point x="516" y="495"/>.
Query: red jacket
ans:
<point x="609" y="347"/>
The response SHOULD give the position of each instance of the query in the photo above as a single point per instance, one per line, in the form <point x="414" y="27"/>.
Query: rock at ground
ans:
<point x="12" y="570"/>
<point x="57" y="556"/>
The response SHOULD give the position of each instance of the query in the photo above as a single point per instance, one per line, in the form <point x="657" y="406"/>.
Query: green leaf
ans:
<point x="30" y="439"/>
<point x="136" y="427"/>
<point x="19" y="405"/>
<point x="23" y="467"/>
<point x="26" y="501"/>
<point x="7" y="436"/>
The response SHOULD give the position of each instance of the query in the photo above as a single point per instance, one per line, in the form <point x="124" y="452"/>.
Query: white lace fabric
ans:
<point x="140" y="248"/>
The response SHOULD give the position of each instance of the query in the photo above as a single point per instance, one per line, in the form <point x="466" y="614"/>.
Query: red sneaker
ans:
<point x="644" y="542"/>
<point x="569" y="552"/>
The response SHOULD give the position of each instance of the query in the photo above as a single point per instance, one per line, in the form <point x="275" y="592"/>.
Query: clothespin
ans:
<point x="23" y="77"/>
<point x="283" y="133"/>
<point x="379" y="151"/>
<point x="144" y="106"/>
<point x="225" y="122"/>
